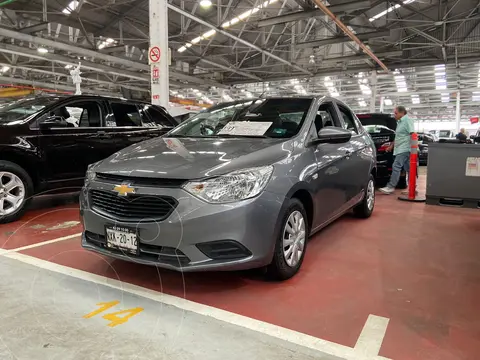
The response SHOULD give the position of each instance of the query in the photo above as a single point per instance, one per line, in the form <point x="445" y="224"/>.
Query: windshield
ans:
<point x="444" y="133"/>
<point x="22" y="109"/>
<point x="275" y="118"/>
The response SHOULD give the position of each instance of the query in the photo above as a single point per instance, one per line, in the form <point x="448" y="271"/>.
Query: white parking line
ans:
<point x="3" y="251"/>
<point x="371" y="338"/>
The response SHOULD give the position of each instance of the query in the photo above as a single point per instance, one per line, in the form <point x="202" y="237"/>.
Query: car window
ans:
<point x="155" y="117"/>
<point x="126" y="114"/>
<point x="325" y="116"/>
<point x="77" y="114"/>
<point x="348" y="121"/>
<point x="377" y="129"/>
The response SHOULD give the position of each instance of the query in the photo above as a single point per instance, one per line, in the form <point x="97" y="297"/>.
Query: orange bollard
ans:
<point x="412" y="176"/>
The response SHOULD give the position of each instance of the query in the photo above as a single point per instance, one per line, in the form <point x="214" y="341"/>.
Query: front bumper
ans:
<point x="196" y="236"/>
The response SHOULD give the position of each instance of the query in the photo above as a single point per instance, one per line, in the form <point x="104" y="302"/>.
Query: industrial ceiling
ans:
<point x="246" y="48"/>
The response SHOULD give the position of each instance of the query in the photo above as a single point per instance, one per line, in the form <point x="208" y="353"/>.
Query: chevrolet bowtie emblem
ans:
<point x="124" y="189"/>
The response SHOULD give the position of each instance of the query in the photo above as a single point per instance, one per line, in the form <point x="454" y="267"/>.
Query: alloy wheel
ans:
<point x="294" y="238"/>
<point x="12" y="193"/>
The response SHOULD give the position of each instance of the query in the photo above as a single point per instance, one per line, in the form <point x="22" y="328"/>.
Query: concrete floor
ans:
<point x="45" y="310"/>
<point x="413" y="265"/>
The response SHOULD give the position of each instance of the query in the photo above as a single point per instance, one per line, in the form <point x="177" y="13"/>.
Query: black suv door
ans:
<point x="130" y="122"/>
<point x="71" y="145"/>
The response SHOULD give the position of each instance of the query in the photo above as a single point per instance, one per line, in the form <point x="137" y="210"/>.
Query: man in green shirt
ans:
<point x="401" y="148"/>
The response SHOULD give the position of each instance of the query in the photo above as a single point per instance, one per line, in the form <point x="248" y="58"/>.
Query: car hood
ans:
<point x="193" y="158"/>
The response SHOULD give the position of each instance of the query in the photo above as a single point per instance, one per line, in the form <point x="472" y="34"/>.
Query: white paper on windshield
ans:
<point x="245" y="128"/>
<point x="473" y="166"/>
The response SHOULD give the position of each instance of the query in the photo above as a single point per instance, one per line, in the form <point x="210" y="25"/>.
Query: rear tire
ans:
<point x="23" y="190"/>
<point x="365" y="208"/>
<point x="291" y="242"/>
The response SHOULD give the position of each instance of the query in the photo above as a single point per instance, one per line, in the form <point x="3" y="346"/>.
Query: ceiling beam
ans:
<point x="34" y="28"/>
<point x="226" y="68"/>
<point x="341" y="39"/>
<point x="236" y="38"/>
<point x="300" y="15"/>
<point x="71" y="48"/>
<point x="65" y="60"/>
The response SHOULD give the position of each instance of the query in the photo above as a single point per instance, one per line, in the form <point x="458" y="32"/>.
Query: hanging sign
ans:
<point x="155" y="75"/>
<point x="154" y="54"/>
<point x="474" y="120"/>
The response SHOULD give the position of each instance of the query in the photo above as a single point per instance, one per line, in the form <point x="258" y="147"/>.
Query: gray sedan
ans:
<point x="241" y="185"/>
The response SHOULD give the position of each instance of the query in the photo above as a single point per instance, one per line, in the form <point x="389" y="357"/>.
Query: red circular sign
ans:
<point x="154" y="54"/>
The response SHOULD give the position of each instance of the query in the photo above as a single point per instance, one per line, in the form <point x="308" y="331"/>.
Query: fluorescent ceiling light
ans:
<point x="390" y="9"/>
<point x="440" y="77"/>
<point x="68" y="66"/>
<point x="388" y="102"/>
<point x="205" y="3"/>
<point x="401" y="83"/>
<point x="182" y="49"/>
<point x="415" y="100"/>
<point x="476" y="96"/>
<point x="329" y="84"/>
<point x="72" y="6"/>
<point x="232" y="21"/>
<point x="42" y="50"/>
<point x="362" y="103"/>
<point x="5" y="68"/>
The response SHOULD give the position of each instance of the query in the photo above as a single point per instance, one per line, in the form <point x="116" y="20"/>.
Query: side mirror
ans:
<point x="332" y="135"/>
<point x="53" y="122"/>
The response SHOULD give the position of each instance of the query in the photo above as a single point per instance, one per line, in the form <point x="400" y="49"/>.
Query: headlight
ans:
<point x="235" y="186"/>
<point x="90" y="175"/>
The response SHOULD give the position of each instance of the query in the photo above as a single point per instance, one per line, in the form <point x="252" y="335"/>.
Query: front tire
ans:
<point x="365" y="208"/>
<point x="291" y="243"/>
<point x="16" y="190"/>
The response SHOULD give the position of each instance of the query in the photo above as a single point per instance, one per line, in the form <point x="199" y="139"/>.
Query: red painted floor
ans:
<point x="42" y="223"/>
<point x="417" y="265"/>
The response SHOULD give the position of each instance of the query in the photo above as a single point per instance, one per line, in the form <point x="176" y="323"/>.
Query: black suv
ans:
<point x="47" y="142"/>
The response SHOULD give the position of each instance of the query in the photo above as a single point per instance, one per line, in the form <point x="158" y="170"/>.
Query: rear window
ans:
<point x="385" y="120"/>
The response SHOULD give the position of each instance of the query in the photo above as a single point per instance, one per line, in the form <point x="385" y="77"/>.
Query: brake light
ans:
<point x="384" y="146"/>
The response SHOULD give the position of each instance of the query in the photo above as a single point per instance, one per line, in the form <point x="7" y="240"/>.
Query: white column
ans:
<point x="373" y="87"/>
<point x="457" y="113"/>
<point x="382" y="104"/>
<point x="158" y="52"/>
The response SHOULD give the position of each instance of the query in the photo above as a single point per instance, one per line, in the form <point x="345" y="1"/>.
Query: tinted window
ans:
<point x="377" y="129"/>
<point x="77" y="114"/>
<point x="126" y="114"/>
<point x="279" y="118"/>
<point x="349" y="122"/>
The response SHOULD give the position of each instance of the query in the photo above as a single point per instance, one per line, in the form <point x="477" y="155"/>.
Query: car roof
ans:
<point x="84" y="96"/>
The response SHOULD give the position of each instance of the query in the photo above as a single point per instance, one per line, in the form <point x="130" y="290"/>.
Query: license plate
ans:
<point x="122" y="238"/>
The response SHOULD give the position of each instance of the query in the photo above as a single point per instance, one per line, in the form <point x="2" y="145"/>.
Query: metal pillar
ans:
<point x="373" y="88"/>
<point x="158" y="52"/>
<point x="457" y="113"/>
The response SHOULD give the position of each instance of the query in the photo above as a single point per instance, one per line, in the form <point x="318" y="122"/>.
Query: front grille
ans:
<point x="134" y="207"/>
<point x="139" y="181"/>
<point x="162" y="254"/>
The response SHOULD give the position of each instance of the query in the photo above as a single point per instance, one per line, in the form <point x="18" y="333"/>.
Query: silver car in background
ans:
<point x="241" y="185"/>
